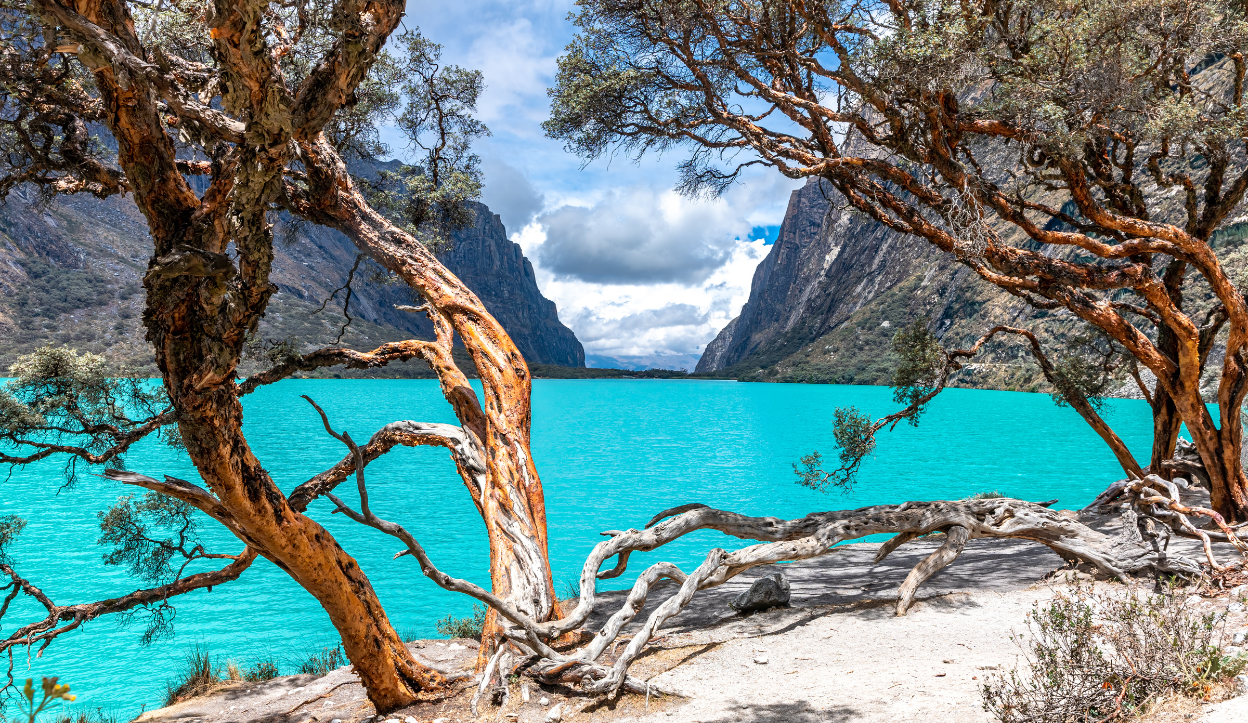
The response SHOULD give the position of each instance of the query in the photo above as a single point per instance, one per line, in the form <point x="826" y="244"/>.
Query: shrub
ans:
<point x="994" y="495"/>
<point x="86" y="716"/>
<point x="263" y="670"/>
<point x="198" y="677"/>
<point x="322" y="662"/>
<point x="1097" y="656"/>
<point x="470" y="627"/>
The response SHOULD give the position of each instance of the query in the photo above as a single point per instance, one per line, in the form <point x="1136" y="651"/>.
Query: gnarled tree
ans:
<point x="262" y="99"/>
<point x="1078" y="154"/>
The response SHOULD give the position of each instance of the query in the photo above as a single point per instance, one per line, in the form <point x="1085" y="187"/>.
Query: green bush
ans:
<point x="198" y="676"/>
<point x="469" y="627"/>
<point x="1096" y="656"/>
<point x="994" y="495"/>
<point x="262" y="670"/>
<point x="322" y="662"/>
<point x="51" y="290"/>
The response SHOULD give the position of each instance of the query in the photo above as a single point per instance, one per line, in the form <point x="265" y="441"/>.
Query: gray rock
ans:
<point x="1240" y="638"/>
<point x="555" y="715"/>
<point x="766" y="592"/>
<point x="1241" y="685"/>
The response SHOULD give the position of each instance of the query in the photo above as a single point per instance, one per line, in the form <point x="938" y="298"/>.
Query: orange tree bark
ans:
<point x="202" y="304"/>
<point x="509" y="493"/>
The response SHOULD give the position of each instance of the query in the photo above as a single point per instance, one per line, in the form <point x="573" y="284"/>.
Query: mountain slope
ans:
<point x="836" y="286"/>
<point x="827" y="299"/>
<point x="73" y="275"/>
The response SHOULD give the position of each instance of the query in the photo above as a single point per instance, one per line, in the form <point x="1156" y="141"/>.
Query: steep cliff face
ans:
<point x="497" y="270"/>
<point x="73" y="271"/>
<point x="836" y="286"/>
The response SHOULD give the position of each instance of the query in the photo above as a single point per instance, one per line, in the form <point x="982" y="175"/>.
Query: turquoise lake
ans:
<point x="611" y="453"/>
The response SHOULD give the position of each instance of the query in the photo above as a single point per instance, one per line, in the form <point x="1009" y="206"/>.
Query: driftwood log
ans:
<point x="1156" y="500"/>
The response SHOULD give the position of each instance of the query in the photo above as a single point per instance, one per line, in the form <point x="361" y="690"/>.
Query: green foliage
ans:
<point x="554" y="371"/>
<point x="322" y="661"/>
<point x="1068" y="70"/>
<point x="921" y="362"/>
<point x="855" y="437"/>
<point x="1085" y="370"/>
<point x="272" y="351"/>
<point x="262" y="670"/>
<point x="469" y="627"/>
<point x="994" y="495"/>
<point x="155" y="537"/>
<point x="432" y="199"/>
<point x="10" y="527"/>
<point x="51" y="291"/>
<point x="86" y="716"/>
<point x="1096" y="656"/>
<point x="198" y="676"/>
<point x="147" y="533"/>
<point x="201" y="674"/>
<point x="61" y="396"/>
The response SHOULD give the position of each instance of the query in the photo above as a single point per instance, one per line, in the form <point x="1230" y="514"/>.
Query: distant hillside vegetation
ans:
<point x="74" y="267"/>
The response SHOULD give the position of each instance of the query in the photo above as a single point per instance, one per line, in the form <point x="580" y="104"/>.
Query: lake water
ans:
<point x="611" y="453"/>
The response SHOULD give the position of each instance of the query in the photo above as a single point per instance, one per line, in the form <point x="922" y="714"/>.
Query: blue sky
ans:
<point x="635" y="269"/>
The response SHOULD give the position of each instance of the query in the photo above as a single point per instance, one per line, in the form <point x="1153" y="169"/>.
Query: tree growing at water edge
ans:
<point x="1079" y="155"/>
<point x="262" y="101"/>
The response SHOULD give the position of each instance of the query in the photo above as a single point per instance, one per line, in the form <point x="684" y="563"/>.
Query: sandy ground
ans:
<point x="837" y="655"/>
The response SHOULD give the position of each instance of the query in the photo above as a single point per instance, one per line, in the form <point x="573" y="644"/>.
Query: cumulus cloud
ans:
<point x="509" y="193"/>
<point x="518" y="63"/>
<point x="639" y="320"/>
<point x="640" y="235"/>
<point x="635" y="269"/>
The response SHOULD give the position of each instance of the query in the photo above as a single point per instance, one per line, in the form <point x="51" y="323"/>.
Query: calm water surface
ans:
<point x="610" y="452"/>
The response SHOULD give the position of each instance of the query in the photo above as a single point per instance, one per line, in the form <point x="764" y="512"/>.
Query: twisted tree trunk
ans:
<point x="508" y="492"/>
<point x="201" y="305"/>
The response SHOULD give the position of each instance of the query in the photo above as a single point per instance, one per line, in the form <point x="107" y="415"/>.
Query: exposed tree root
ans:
<point x="1156" y="499"/>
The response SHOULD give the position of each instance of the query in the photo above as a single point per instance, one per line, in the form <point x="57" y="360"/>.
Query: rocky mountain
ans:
<point x="73" y="270"/>
<point x="836" y="286"/>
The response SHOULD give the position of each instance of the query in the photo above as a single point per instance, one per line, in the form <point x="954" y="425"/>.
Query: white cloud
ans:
<point x="635" y="269"/>
<point x="639" y="235"/>
<point x="509" y="193"/>
<point x="643" y="319"/>
<point x="518" y="66"/>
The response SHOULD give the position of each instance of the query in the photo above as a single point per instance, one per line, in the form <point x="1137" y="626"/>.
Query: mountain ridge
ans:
<point x="75" y="266"/>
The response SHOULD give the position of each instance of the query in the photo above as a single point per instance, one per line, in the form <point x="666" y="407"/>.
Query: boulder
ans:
<point x="766" y="592"/>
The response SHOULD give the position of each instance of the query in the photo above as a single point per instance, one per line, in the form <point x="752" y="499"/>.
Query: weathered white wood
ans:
<point x="955" y="543"/>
